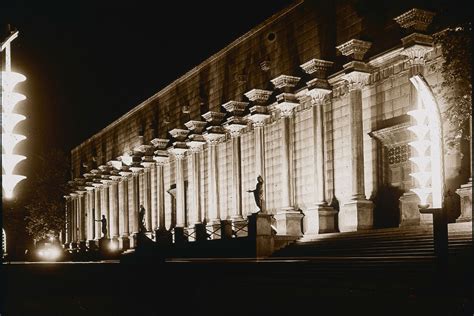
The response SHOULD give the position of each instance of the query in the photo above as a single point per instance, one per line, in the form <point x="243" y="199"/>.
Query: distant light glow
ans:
<point x="113" y="246"/>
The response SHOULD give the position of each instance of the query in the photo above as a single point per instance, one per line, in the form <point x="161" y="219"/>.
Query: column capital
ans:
<point x="415" y="19"/>
<point x="178" y="153"/>
<point x="318" y="95"/>
<point x="317" y="67"/>
<point x="161" y="160"/>
<point x="286" y="102"/>
<point x="196" y="146"/>
<point x="285" y="82"/>
<point x="136" y="169"/>
<point x="354" y="48"/>
<point x="416" y="46"/>
<point x="115" y="179"/>
<point x="356" y="75"/>
<point x="148" y="164"/>
<point x="258" y="96"/>
<point x="125" y="174"/>
<point x="213" y="138"/>
<point x="235" y="129"/>
<point x="236" y="108"/>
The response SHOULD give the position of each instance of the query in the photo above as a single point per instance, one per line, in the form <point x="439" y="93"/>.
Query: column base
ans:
<point x="124" y="243"/>
<point x="82" y="245"/>
<point x="239" y="227"/>
<point x="465" y="192"/>
<point x="104" y="244"/>
<point x="226" y="229"/>
<point x="179" y="236"/>
<point x="356" y="215"/>
<point x="93" y="245"/>
<point x="261" y="231"/>
<point x="289" y="222"/>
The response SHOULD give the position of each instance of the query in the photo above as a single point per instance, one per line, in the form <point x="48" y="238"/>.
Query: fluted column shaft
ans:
<point x="160" y="183"/>
<point x="214" y="211"/>
<point x="135" y="203"/>
<point x="123" y="207"/>
<point x="154" y="198"/>
<point x="90" y="214"/>
<point x="196" y="187"/>
<point x="357" y="157"/>
<point x="113" y="202"/>
<point x="236" y="178"/>
<point x="82" y="217"/>
<point x="286" y="199"/>
<point x="318" y="124"/>
<point x="97" y="212"/>
<point x="104" y="209"/>
<point x="147" y="196"/>
<point x="180" y="192"/>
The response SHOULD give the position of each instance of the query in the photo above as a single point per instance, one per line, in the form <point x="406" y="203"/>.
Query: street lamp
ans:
<point x="10" y="119"/>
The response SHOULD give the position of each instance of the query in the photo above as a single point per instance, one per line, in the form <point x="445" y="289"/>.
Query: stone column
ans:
<point x="124" y="231"/>
<point x="73" y="223"/>
<point x="235" y="124"/>
<point x="161" y="160"/>
<point x="147" y="192"/>
<point x="82" y="216"/>
<point x="114" y="209"/>
<point x="214" y="135"/>
<point x="133" y="212"/>
<point x="104" y="208"/>
<point x="321" y="217"/>
<point x="258" y="116"/>
<point x="153" y="206"/>
<point x="288" y="219"/>
<point x="357" y="213"/>
<point x="97" y="211"/>
<point x="90" y="214"/>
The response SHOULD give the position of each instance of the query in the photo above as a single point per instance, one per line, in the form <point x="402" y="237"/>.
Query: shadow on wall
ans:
<point x="387" y="210"/>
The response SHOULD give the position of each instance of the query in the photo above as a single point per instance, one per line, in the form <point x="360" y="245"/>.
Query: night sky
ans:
<point x="88" y="63"/>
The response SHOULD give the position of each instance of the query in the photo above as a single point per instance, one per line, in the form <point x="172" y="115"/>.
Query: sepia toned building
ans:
<point x="319" y="100"/>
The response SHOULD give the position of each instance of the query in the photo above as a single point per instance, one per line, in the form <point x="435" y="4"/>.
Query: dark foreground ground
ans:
<point x="233" y="288"/>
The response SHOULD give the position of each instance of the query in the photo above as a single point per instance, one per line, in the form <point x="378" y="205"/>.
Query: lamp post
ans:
<point x="10" y="119"/>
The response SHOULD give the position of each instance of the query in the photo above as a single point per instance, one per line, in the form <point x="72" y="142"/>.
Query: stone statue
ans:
<point x="141" y="220"/>
<point x="104" y="226"/>
<point x="258" y="193"/>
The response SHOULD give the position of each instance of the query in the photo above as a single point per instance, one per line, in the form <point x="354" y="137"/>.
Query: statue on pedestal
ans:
<point x="104" y="226"/>
<point x="141" y="220"/>
<point x="258" y="193"/>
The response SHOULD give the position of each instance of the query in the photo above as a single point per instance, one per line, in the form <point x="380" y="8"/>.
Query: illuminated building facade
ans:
<point x="320" y="100"/>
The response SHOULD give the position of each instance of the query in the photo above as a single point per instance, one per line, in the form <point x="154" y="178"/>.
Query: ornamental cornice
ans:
<point x="160" y="143"/>
<point x="258" y="96"/>
<point x="195" y="126"/>
<point x="416" y="19"/>
<point x="235" y="107"/>
<point x="354" y="48"/>
<point x="285" y="82"/>
<point x="213" y="118"/>
<point x="317" y="67"/>
<point x="179" y="134"/>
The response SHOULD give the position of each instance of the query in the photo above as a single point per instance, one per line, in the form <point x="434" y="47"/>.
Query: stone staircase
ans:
<point x="380" y="243"/>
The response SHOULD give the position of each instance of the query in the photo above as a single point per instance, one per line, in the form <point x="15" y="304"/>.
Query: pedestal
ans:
<point x="200" y="232"/>
<point x="104" y="244"/>
<point x="356" y="215"/>
<point x="260" y="231"/>
<point x="239" y="227"/>
<point x="124" y="243"/>
<point x="410" y="213"/>
<point x="226" y="229"/>
<point x="289" y="222"/>
<point x="92" y="245"/>
<point x="327" y="220"/>
<point x="179" y="236"/>
<point x="465" y="192"/>
<point x="214" y="229"/>
<point x="162" y="236"/>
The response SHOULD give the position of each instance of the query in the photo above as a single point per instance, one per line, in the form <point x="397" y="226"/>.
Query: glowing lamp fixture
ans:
<point x="9" y="80"/>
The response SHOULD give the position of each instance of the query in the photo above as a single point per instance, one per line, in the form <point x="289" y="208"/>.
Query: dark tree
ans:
<point x="48" y="185"/>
